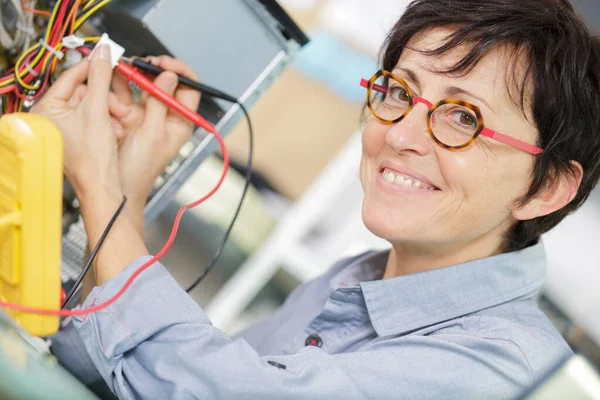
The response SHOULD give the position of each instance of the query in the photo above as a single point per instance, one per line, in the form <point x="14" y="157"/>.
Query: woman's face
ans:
<point x="475" y="188"/>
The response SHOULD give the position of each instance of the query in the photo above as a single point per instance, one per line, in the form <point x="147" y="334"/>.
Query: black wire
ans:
<point x="212" y="262"/>
<point x="210" y="91"/>
<point x="206" y="90"/>
<point x="90" y="260"/>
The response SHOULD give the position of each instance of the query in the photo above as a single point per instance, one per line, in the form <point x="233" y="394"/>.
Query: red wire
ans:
<point x="29" y="78"/>
<point x="158" y="256"/>
<point x="10" y="105"/>
<point x="40" y="90"/>
<point x="52" y="41"/>
<point x="58" y="23"/>
<point x="196" y="119"/>
<point x="8" y="89"/>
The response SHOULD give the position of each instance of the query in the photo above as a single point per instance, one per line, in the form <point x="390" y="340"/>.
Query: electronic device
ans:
<point x="238" y="46"/>
<point x="29" y="371"/>
<point x="31" y="174"/>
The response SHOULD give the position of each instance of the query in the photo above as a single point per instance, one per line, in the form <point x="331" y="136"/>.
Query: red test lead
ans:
<point x="144" y="83"/>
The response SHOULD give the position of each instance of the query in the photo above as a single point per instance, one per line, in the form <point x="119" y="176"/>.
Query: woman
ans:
<point x="461" y="191"/>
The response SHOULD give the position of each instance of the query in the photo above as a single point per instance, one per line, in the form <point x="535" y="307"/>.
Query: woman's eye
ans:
<point x="460" y="119"/>
<point x="467" y="119"/>
<point x="398" y="93"/>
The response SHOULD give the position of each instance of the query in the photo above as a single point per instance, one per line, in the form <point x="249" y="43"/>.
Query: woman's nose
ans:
<point x="411" y="134"/>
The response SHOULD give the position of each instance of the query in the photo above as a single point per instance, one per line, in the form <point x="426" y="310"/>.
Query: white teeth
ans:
<point x="404" y="180"/>
<point x="388" y="175"/>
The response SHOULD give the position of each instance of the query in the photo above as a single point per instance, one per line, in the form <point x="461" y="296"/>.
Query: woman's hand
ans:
<point x="90" y="134"/>
<point x="83" y="115"/>
<point x="153" y="133"/>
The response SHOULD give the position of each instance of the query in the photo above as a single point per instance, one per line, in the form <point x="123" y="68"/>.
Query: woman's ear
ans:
<point x="556" y="194"/>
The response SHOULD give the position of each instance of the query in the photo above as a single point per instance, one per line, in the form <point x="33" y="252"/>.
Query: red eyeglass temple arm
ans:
<point x="511" y="141"/>
<point x="529" y="148"/>
<point x="365" y="83"/>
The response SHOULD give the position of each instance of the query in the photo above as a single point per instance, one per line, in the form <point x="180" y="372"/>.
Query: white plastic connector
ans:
<point x="116" y="51"/>
<point x="72" y="42"/>
<point x="72" y="57"/>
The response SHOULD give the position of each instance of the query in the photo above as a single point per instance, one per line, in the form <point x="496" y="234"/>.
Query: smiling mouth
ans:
<point x="405" y="180"/>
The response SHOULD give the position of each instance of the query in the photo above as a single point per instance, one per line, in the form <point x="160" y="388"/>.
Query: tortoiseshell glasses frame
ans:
<point x="410" y="101"/>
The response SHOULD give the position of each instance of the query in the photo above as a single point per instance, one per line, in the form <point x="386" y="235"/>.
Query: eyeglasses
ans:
<point x="453" y="124"/>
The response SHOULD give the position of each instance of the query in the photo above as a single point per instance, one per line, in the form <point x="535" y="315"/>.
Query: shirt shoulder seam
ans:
<point x="523" y="355"/>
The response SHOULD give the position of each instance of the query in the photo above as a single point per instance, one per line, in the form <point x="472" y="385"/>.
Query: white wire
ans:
<point x="30" y="34"/>
<point x="24" y="28"/>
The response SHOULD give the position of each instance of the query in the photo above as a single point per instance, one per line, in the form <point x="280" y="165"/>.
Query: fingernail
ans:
<point x="104" y="52"/>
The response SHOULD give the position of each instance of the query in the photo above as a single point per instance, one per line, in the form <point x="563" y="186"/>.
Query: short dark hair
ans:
<point x="562" y="61"/>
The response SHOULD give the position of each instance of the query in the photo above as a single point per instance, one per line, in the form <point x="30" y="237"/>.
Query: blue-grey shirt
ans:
<point x="468" y="331"/>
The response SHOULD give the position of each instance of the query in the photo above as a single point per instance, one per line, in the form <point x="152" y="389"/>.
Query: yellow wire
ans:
<point x="88" y="14"/>
<point x="88" y="4"/>
<point x="90" y="39"/>
<point x="11" y="80"/>
<point x="78" y="23"/>
<point x="42" y="50"/>
<point x="59" y="47"/>
<point x="40" y="53"/>
<point x="18" y="74"/>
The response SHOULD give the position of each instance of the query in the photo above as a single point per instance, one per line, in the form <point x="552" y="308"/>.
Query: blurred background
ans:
<point x="303" y="210"/>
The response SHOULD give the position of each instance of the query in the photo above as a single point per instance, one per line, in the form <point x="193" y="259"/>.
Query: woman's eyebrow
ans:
<point x="454" y="90"/>
<point x="411" y="74"/>
<point x="450" y="91"/>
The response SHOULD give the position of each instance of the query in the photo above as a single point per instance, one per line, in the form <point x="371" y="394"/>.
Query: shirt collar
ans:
<point x="406" y="303"/>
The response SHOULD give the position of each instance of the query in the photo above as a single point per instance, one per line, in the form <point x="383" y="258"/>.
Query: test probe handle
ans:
<point x="184" y="81"/>
<point x="133" y="75"/>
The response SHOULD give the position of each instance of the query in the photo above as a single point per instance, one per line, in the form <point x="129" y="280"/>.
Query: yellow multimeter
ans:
<point x="31" y="187"/>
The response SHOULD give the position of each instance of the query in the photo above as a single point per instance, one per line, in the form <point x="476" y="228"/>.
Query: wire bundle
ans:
<point x="32" y="74"/>
<point x="24" y="29"/>
<point x="37" y="64"/>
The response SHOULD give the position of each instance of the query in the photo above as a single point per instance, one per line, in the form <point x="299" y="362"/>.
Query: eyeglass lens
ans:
<point x="452" y="124"/>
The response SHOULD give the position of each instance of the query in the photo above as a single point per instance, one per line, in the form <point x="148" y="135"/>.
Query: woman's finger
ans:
<point x="117" y="107"/>
<point x="117" y="128"/>
<point x="69" y="81"/>
<point x="120" y="87"/>
<point x="175" y="65"/>
<point x="186" y="96"/>
<point x="77" y="96"/>
<point x="156" y="111"/>
<point x="99" y="79"/>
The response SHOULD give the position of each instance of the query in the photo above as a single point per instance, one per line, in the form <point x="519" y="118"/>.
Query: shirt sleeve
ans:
<point x="155" y="342"/>
<point x="69" y="349"/>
